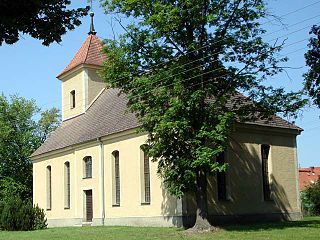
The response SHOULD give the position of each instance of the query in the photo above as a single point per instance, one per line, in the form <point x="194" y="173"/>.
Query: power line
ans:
<point x="183" y="65"/>
<point x="284" y="15"/>
<point x="65" y="105"/>
<point x="289" y="13"/>
<point x="276" y="38"/>
<point x="218" y="59"/>
<point x="221" y="68"/>
<point x="199" y="75"/>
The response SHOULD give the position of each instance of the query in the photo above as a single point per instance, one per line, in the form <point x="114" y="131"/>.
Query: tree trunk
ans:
<point x="202" y="223"/>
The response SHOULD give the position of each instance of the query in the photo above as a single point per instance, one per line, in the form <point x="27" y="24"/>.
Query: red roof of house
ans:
<point x="308" y="176"/>
<point x="89" y="53"/>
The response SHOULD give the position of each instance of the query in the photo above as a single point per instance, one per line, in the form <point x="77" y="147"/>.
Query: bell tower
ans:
<point x="80" y="82"/>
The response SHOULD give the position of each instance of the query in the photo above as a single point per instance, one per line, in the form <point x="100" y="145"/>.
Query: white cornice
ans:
<point x="76" y="70"/>
<point x="86" y="144"/>
<point x="133" y="131"/>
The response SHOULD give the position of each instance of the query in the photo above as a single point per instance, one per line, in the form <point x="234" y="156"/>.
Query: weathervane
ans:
<point x="92" y="31"/>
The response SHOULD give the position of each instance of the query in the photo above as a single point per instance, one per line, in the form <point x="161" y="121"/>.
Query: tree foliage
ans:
<point x="312" y="77"/>
<point x="20" y="136"/>
<point x="10" y="187"/>
<point x="311" y="198"/>
<point x="46" y="20"/>
<point x="183" y="65"/>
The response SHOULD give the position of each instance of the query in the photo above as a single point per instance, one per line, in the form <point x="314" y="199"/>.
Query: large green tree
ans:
<point x="183" y="65"/>
<point x="312" y="77"/>
<point x="46" y="20"/>
<point x="20" y="136"/>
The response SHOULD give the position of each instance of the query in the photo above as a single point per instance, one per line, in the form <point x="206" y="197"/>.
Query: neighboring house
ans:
<point x="308" y="176"/>
<point x="92" y="170"/>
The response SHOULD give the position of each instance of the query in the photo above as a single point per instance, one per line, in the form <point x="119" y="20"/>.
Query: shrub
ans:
<point x="40" y="221"/>
<point x="1" y="209"/>
<point x="21" y="215"/>
<point x="25" y="221"/>
<point x="10" y="214"/>
<point x="311" y="199"/>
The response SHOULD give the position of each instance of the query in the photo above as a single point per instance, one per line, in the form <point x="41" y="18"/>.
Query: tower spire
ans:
<point x="92" y="30"/>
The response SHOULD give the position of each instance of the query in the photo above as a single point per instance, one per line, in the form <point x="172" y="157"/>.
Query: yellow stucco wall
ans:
<point x="77" y="183"/>
<point x="130" y="181"/>
<point x="95" y="84"/>
<point x="74" y="81"/>
<point x="244" y="179"/>
<point x="130" y="178"/>
<point x="244" y="176"/>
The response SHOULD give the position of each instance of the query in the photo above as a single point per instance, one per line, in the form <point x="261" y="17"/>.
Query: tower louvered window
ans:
<point x="72" y="99"/>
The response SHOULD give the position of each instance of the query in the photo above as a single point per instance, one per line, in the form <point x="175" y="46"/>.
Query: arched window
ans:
<point x="265" y="149"/>
<point x="116" y="178"/>
<point x="72" y="99"/>
<point x="87" y="161"/>
<point x="145" y="176"/>
<point x="49" y="188"/>
<point x="66" y="185"/>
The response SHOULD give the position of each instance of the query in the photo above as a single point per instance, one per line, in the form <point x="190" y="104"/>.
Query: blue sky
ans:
<point x="29" y="69"/>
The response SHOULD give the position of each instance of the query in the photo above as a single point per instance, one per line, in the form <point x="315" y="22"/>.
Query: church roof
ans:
<point x="109" y="115"/>
<point x="90" y="53"/>
<point x="106" y="115"/>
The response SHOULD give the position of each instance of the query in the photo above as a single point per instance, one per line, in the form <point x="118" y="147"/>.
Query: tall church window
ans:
<point x="116" y="178"/>
<point x="49" y="188"/>
<point x="145" y="177"/>
<point x="66" y="185"/>
<point x="221" y="179"/>
<point x="72" y="99"/>
<point x="87" y="161"/>
<point x="265" y="149"/>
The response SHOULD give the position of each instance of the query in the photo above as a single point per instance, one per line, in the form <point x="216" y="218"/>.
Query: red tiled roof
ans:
<point x="89" y="53"/>
<point x="308" y="176"/>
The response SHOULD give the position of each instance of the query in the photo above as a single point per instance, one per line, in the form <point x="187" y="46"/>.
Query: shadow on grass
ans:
<point x="307" y="223"/>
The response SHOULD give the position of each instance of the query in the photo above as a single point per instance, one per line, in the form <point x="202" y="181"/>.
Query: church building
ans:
<point x="92" y="169"/>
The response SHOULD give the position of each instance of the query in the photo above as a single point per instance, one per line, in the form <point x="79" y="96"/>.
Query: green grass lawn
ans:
<point x="307" y="229"/>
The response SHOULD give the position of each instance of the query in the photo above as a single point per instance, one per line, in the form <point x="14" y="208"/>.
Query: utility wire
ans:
<point x="219" y="59"/>
<point x="183" y="65"/>
<point x="284" y="15"/>
<point x="199" y="75"/>
<point x="287" y="14"/>
<point x="211" y="71"/>
<point x="276" y="38"/>
<point x="202" y="74"/>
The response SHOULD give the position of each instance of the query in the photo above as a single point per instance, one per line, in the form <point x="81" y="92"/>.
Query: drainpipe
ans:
<point x="102" y="179"/>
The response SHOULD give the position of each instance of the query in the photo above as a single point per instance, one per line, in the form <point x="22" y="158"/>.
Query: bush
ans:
<point x="21" y="215"/>
<point x="1" y="210"/>
<point x="10" y="214"/>
<point x="40" y="221"/>
<point x="311" y="199"/>
<point x="16" y="214"/>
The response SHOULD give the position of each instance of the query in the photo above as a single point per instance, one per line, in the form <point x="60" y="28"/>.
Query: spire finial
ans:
<point x="92" y="30"/>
